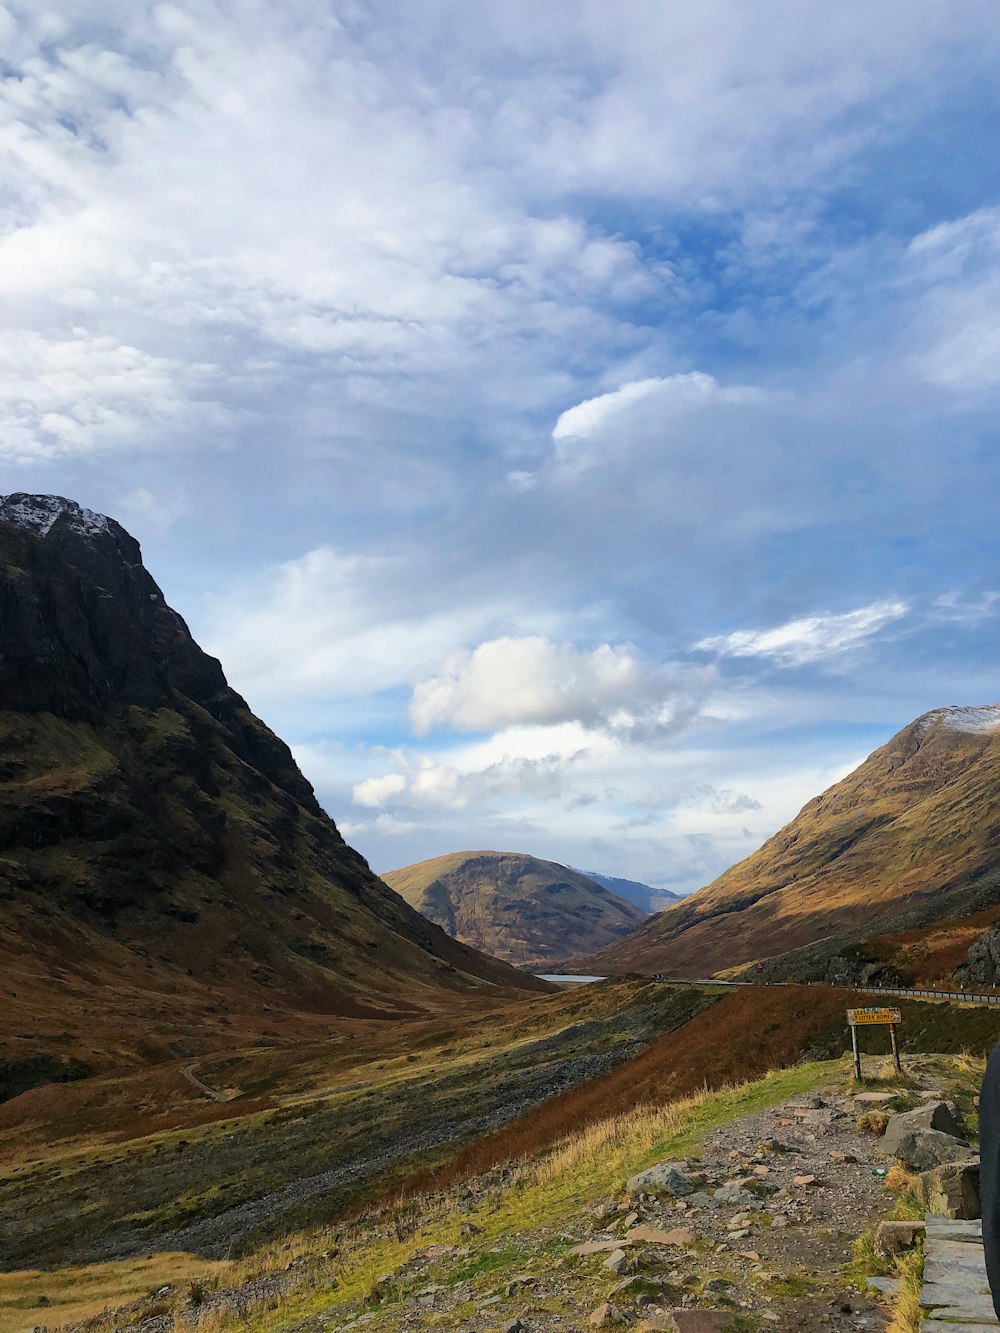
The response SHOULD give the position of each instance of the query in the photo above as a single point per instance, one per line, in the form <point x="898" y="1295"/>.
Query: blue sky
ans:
<point x="573" y="426"/>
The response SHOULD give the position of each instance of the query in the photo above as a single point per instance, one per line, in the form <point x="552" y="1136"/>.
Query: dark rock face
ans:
<point x="982" y="967"/>
<point x="148" y="819"/>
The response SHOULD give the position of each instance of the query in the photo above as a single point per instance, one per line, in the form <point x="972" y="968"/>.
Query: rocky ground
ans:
<point x="755" y="1230"/>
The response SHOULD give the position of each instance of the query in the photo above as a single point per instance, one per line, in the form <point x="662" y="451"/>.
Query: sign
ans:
<point x="861" y="1017"/>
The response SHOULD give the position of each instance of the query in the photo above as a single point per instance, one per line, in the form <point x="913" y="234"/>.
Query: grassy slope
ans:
<point x="528" y="911"/>
<point x="85" y="1166"/>
<point x="915" y="829"/>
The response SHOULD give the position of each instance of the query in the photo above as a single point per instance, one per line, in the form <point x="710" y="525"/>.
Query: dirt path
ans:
<point x="760" y="1239"/>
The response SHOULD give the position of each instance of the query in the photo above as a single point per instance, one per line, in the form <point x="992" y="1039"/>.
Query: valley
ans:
<point x="246" y="1083"/>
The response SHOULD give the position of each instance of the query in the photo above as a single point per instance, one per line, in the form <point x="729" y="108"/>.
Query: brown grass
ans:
<point x="740" y="1038"/>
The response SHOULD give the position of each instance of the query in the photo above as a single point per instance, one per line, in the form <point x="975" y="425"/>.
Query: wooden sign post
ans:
<point x="868" y="1018"/>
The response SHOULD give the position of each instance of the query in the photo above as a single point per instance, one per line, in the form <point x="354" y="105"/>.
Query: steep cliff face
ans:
<point x="162" y="859"/>
<point x="531" y="912"/>
<point x="910" y="837"/>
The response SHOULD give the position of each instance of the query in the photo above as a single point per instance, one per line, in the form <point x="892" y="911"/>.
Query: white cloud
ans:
<point x="530" y="679"/>
<point x="810" y="638"/>
<point x="377" y="791"/>
<point x="957" y="322"/>
<point x="89" y="392"/>
<point x="331" y="623"/>
<point x="665" y="398"/>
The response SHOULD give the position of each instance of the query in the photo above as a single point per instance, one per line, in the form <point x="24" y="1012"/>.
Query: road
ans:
<point x="970" y="997"/>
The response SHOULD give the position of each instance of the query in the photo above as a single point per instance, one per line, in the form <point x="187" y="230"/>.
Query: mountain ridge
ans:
<point x="911" y="836"/>
<point x="646" y="896"/>
<point x="163" y="861"/>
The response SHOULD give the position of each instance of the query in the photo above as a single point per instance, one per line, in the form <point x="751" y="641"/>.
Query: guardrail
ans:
<point x="974" y="997"/>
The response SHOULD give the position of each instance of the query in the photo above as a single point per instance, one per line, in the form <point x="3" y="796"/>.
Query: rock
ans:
<point x="733" y="1194"/>
<point x="952" y="1190"/>
<point x="630" y="1221"/>
<point x="514" y="1326"/>
<point x="842" y="1157"/>
<point x="601" y="1317"/>
<point x="888" y="1286"/>
<point x="681" y="1236"/>
<point x="944" y="1117"/>
<point x="800" y="1182"/>
<point x="616" y="1262"/>
<point x="891" y="1238"/>
<point x="666" y="1178"/>
<point x="779" y="1221"/>
<point x="873" y="1098"/>
<point x="598" y="1247"/>
<point x="925" y="1149"/>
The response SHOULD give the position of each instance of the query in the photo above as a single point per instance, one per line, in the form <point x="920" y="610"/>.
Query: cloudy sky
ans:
<point x="572" y="424"/>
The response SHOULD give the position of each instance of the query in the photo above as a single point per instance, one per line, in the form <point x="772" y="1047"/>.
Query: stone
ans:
<point x="601" y="1317"/>
<point x="845" y="1158"/>
<point x="944" y="1117"/>
<point x="616" y="1262"/>
<point x="800" y="1182"/>
<point x="733" y="1194"/>
<point x="873" y="1098"/>
<point x="779" y="1221"/>
<point x="514" y="1326"/>
<point x="680" y="1236"/>
<point x="888" y="1286"/>
<point x="925" y="1149"/>
<point x="598" y="1247"/>
<point x="892" y="1238"/>
<point x="666" y="1178"/>
<point x="630" y="1221"/>
<point x="952" y="1190"/>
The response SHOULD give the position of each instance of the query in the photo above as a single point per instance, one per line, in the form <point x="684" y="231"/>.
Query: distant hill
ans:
<point x="527" y="911"/>
<point x="647" y="897"/>
<point x="164" y="866"/>
<point x="910" y="838"/>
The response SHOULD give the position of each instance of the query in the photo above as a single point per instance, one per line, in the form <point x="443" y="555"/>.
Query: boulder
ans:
<point x="925" y="1149"/>
<point x="942" y="1116"/>
<point x="952" y="1190"/>
<point x="666" y="1178"/>
<point x="892" y="1238"/>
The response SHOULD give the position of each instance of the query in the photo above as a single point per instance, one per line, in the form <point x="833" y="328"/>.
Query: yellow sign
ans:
<point x="859" y="1017"/>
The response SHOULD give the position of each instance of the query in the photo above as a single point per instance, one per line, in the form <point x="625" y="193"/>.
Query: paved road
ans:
<point x="956" y="1294"/>
<point x="971" y="997"/>
<point x="203" y="1088"/>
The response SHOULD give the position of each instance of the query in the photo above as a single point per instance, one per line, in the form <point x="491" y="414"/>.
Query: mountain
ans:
<point x="531" y="912"/>
<point x="910" y="838"/>
<point x="167" y="876"/>
<point x="647" y="897"/>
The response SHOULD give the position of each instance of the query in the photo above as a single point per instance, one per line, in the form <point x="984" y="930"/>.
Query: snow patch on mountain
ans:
<point x="973" y="720"/>
<point x="40" y="513"/>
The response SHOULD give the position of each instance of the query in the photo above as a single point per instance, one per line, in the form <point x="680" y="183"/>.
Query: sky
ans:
<point x="573" y="426"/>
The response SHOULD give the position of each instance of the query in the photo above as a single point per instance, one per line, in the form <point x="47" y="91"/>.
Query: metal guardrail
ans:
<point x="974" y="997"/>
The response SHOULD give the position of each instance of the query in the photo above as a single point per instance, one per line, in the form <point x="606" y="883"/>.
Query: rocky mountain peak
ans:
<point x="40" y="514"/>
